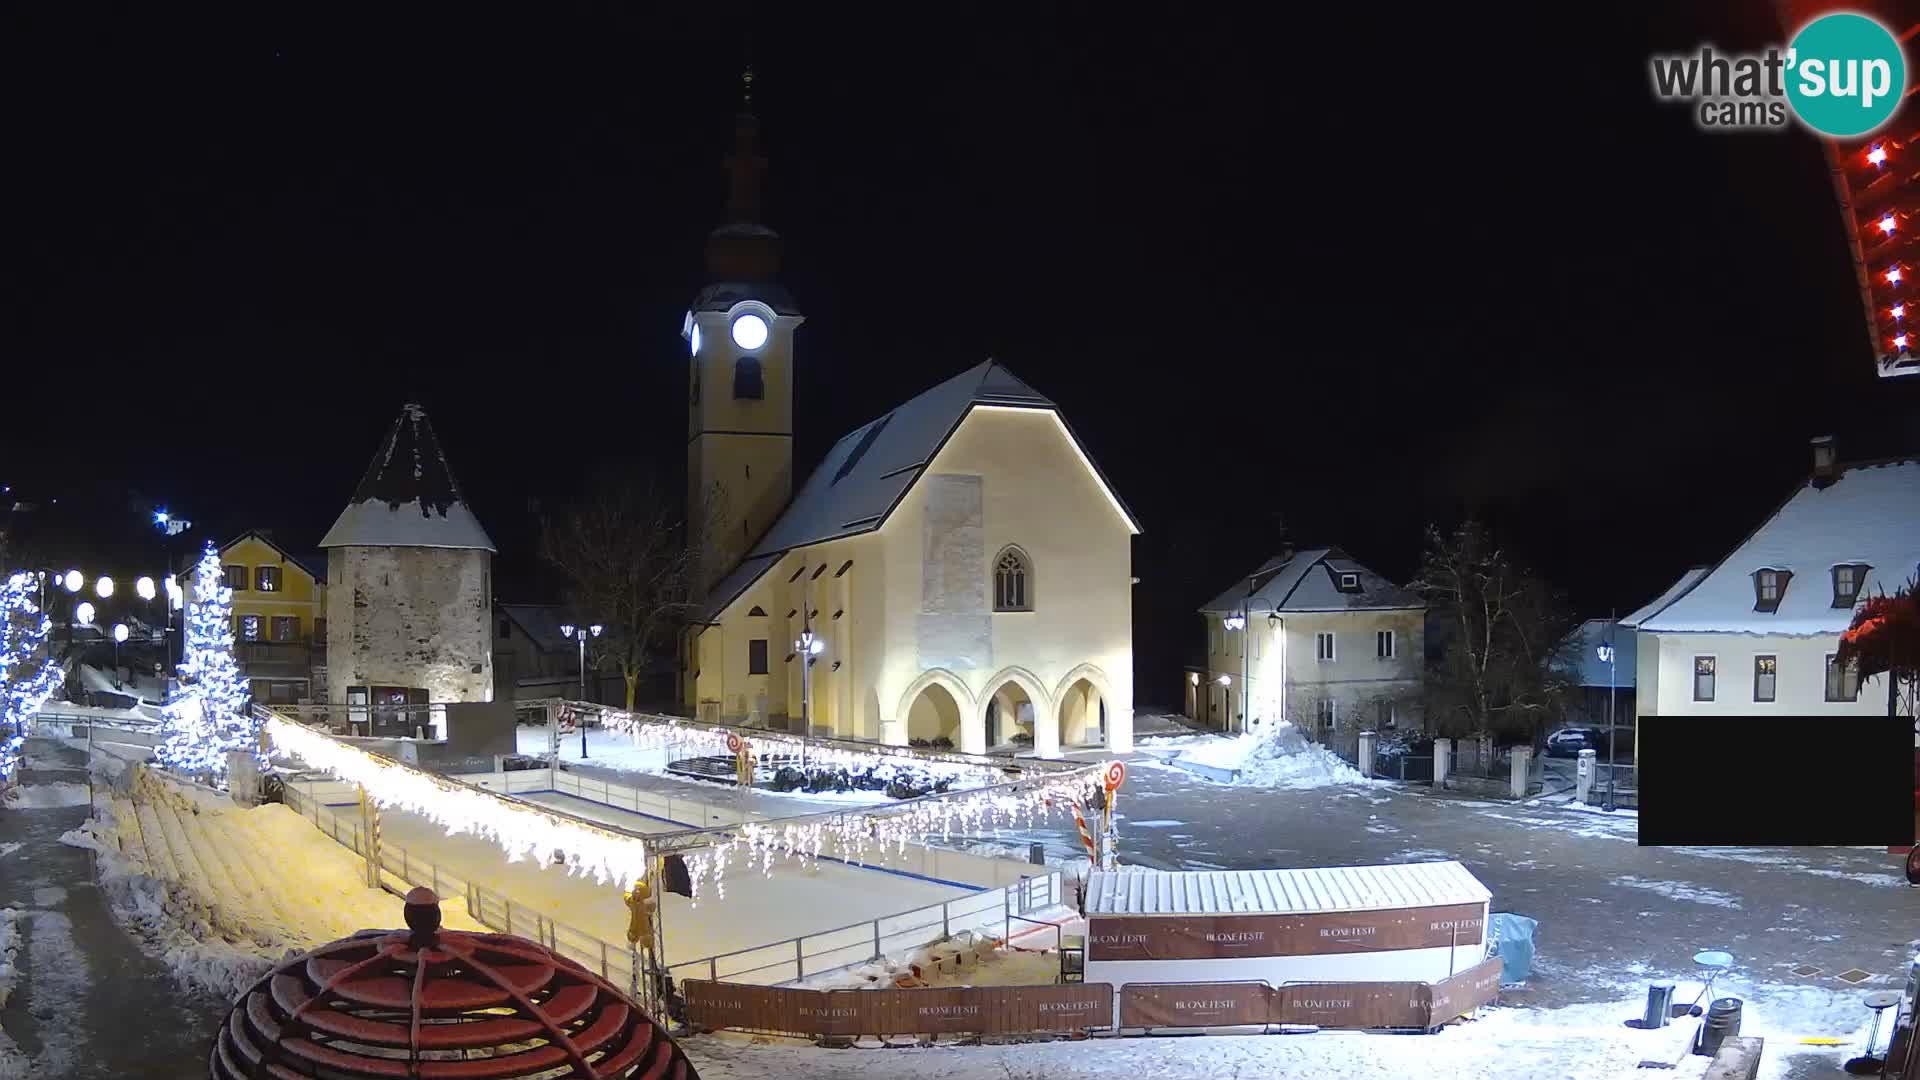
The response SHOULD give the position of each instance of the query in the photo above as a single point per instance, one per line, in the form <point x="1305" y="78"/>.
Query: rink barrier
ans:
<point x="789" y="960"/>
<point x="1015" y="1010"/>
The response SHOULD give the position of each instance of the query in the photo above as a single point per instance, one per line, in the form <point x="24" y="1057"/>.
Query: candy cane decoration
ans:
<point x="1085" y="836"/>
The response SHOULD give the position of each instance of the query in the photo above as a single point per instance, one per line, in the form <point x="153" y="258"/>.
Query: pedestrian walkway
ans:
<point x="81" y="975"/>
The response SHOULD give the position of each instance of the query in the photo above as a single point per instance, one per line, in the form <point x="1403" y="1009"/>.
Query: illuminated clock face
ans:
<point x="749" y="331"/>
<point x="694" y="339"/>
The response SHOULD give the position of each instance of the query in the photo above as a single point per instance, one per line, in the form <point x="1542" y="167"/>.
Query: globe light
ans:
<point x="817" y="646"/>
<point x="1887" y="224"/>
<point x="119" y="632"/>
<point x="1877" y="155"/>
<point x="749" y="331"/>
<point x="1899" y="311"/>
<point x="1899" y="341"/>
<point x="144" y="587"/>
<point x="1893" y="275"/>
<point x="84" y="613"/>
<point x="104" y="587"/>
<point x="73" y="580"/>
<point x="1225" y="680"/>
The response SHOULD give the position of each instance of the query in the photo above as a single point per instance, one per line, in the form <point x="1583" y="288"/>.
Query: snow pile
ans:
<point x="9" y="948"/>
<point x="46" y="796"/>
<point x="1278" y="757"/>
<point x="965" y="959"/>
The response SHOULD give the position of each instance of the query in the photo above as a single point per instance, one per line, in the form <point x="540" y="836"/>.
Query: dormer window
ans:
<point x="1847" y="580"/>
<point x="1768" y="587"/>
<point x="1350" y="583"/>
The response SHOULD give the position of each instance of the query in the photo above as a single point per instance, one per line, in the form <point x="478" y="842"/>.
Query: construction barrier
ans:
<point x="1013" y="1010"/>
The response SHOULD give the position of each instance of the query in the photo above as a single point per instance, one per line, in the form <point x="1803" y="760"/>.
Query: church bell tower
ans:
<point x="739" y="333"/>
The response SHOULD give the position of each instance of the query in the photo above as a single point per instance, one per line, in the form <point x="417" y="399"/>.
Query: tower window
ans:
<point x="1012" y="581"/>
<point x="747" y="383"/>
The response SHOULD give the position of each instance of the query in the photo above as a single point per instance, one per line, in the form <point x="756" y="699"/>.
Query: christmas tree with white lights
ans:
<point x="28" y="675"/>
<point x="208" y="715"/>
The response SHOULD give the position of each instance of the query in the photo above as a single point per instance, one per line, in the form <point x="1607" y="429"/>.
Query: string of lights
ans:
<point x="27" y="671"/>
<point x="208" y="714"/>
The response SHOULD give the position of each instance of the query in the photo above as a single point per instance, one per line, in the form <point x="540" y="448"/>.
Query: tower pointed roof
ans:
<point x="743" y="249"/>
<point x="408" y="497"/>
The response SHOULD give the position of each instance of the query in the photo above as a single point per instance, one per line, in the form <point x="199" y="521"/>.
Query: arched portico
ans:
<point x="1084" y="707"/>
<point x="1008" y="691"/>
<point x="920" y="712"/>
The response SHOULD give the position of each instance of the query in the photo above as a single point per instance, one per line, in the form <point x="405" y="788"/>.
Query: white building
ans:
<point x="1317" y="639"/>
<point x="962" y="564"/>
<point x="1756" y="632"/>
<point x="409" y="584"/>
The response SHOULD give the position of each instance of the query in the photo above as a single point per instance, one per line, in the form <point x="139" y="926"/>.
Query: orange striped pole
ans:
<point x="1085" y="836"/>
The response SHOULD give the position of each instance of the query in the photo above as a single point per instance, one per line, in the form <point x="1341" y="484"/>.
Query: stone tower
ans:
<point x="409" y="581"/>
<point x="740" y="381"/>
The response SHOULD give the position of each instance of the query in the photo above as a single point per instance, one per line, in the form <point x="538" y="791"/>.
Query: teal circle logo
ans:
<point x="1846" y="74"/>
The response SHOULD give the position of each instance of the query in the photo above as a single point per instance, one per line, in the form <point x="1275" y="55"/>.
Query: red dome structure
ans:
<point x="433" y="1003"/>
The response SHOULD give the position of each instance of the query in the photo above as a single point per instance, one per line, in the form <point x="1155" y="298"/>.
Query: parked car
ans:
<point x="1569" y="741"/>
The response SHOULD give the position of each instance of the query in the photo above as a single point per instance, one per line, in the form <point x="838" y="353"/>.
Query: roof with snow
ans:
<point x="1869" y="515"/>
<point x="1310" y="581"/>
<point x="1583" y="664"/>
<point x="408" y="497"/>
<point x="1283" y="892"/>
<point x="1674" y="591"/>
<point x="314" y="563"/>
<point x="866" y="474"/>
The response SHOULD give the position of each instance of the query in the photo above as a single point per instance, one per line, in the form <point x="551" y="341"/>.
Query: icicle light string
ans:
<point x="887" y="763"/>
<point x="522" y="830"/>
<point x="28" y="674"/>
<point x="853" y="835"/>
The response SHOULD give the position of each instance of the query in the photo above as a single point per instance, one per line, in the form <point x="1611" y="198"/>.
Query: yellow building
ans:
<point x="279" y="617"/>
<point x="960" y="566"/>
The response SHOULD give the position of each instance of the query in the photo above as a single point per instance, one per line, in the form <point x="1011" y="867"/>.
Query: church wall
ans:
<point x="414" y="617"/>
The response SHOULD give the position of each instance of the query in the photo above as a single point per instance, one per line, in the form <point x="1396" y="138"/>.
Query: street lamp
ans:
<point x="581" y="634"/>
<point x="170" y="527"/>
<point x="84" y="613"/>
<point x="104" y="587"/>
<point x="73" y="580"/>
<point x="1606" y="657"/>
<point x="144" y="587"/>
<point x="809" y="646"/>
<point x="119" y="635"/>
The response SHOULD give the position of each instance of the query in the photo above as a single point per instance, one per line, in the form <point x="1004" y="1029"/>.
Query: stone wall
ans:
<point x="405" y="616"/>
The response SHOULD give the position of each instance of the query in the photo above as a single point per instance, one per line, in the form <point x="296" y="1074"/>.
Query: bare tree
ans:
<point x="1502" y="631"/>
<point x="624" y="550"/>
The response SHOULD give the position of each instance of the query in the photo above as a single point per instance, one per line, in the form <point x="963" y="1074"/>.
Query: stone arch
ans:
<point x="1028" y="684"/>
<point x="1078" y="714"/>
<point x="955" y="688"/>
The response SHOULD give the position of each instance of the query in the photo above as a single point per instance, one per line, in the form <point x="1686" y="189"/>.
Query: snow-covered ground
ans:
<point x="1276" y="757"/>
<point x="615" y="751"/>
<point x="42" y="796"/>
<point x="9" y="950"/>
<point x="1030" y="958"/>
<point x="220" y="891"/>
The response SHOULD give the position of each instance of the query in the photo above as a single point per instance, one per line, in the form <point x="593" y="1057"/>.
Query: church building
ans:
<point x="957" y="570"/>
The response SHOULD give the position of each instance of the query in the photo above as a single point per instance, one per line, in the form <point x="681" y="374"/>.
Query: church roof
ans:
<point x="408" y="497"/>
<point x="856" y="486"/>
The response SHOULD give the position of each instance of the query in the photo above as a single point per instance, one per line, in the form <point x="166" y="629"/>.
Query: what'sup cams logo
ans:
<point x="1842" y="75"/>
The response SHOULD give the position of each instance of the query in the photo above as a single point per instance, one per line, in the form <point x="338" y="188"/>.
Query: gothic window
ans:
<point x="1012" y="581"/>
<point x="746" y="378"/>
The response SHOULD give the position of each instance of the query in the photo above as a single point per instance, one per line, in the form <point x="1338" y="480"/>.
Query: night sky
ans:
<point x="1351" y="270"/>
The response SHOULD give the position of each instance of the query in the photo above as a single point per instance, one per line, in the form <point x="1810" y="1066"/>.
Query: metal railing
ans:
<point x="816" y="953"/>
<point x="487" y="906"/>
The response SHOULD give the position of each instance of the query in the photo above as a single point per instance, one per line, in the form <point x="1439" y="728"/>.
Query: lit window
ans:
<point x="1323" y="645"/>
<point x="266" y="578"/>
<point x="1703" y="678"/>
<point x="1843" y="681"/>
<point x="1847" y="580"/>
<point x="1765" y="669"/>
<point x="250" y="628"/>
<point x="1383" y="644"/>
<point x="1012" y="581"/>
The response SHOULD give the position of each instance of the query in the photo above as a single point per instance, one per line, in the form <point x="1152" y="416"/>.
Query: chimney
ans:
<point x="1826" y="463"/>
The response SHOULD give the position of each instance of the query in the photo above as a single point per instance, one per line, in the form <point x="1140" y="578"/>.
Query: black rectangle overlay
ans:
<point x="1765" y="781"/>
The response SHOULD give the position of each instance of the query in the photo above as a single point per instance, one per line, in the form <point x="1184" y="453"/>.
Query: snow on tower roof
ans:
<point x="1284" y="892"/>
<point x="408" y="497"/>
<point x="871" y="468"/>
<point x="1869" y="515"/>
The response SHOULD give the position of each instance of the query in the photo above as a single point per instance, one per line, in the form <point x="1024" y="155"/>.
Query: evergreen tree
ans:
<point x="28" y="675"/>
<point x="208" y="714"/>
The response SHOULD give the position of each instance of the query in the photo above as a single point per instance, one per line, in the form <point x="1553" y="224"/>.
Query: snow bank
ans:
<point x="9" y="949"/>
<point x="46" y="796"/>
<point x="1278" y="757"/>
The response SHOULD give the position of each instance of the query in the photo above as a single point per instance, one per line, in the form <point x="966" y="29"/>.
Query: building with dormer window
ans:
<point x="1757" y="631"/>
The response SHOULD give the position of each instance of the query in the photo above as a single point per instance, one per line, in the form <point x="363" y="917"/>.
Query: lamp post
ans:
<point x="119" y="635"/>
<point x="1606" y="657"/>
<point x="809" y="646"/>
<point x="170" y="527"/>
<point x="581" y="634"/>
